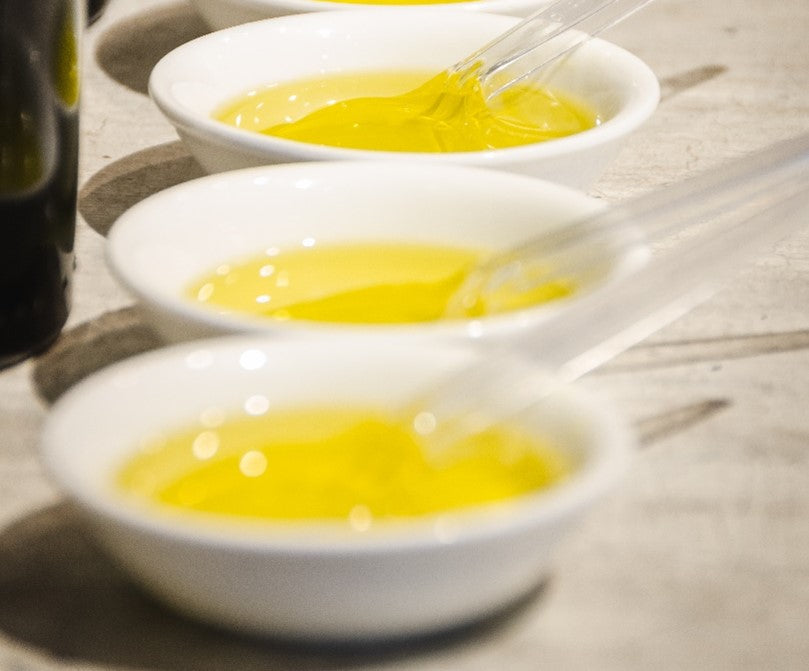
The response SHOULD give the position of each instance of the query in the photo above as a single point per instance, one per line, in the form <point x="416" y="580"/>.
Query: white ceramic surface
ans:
<point x="313" y="581"/>
<point x="197" y="78"/>
<point x="226" y="13"/>
<point x="164" y="243"/>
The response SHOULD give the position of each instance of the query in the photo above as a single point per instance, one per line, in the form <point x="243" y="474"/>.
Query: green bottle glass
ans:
<point x="39" y="141"/>
<point x="94" y="9"/>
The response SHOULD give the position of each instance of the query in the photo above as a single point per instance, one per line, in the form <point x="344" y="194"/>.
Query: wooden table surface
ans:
<point x="699" y="561"/>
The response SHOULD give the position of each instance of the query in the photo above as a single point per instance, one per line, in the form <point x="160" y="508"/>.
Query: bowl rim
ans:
<point x="203" y="127"/>
<point x="296" y="6"/>
<point x="609" y="459"/>
<point x="121" y="259"/>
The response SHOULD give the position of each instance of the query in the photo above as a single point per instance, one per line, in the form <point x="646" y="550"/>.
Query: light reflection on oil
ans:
<point x="253" y="463"/>
<point x="256" y="405"/>
<point x="252" y="359"/>
<point x="205" y="445"/>
<point x="360" y="518"/>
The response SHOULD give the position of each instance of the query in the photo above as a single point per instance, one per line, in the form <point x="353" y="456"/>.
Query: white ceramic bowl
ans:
<point x="226" y="13"/>
<point x="306" y="580"/>
<point x="197" y="78"/>
<point x="164" y="243"/>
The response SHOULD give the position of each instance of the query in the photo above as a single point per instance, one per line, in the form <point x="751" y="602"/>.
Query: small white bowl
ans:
<point x="226" y="13"/>
<point x="171" y="239"/>
<point x="315" y="581"/>
<point x="190" y="83"/>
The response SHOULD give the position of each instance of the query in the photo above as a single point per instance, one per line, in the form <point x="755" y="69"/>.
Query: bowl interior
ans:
<point x="199" y="77"/>
<point x="87" y="437"/>
<point x="164" y="243"/>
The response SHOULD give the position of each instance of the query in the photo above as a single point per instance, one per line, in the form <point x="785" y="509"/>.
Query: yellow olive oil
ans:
<point x="354" y="464"/>
<point x="359" y="283"/>
<point x="407" y="112"/>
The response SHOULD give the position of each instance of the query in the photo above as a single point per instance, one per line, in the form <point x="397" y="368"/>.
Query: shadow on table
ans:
<point x="128" y="50"/>
<point x="671" y="421"/>
<point x="120" y="185"/>
<point x="64" y="598"/>
<point x="88" y="347"/>
<point x="680" y="82"/>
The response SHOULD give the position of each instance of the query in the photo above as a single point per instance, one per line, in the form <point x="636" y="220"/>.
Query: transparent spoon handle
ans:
<point x="548" y="26"/>
<point x="607" y="322"/>
<point x="599" y="325"/>
<point x="746" y="185"/>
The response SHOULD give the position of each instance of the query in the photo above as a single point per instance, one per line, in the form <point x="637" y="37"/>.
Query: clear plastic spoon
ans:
<point x="440" y="112"/>
<point x="731" y="213"/>
<point x="540" y="40"/>
<point x="753" y="183"/>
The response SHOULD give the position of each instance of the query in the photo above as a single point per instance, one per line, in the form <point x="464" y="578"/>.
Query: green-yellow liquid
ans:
<point x="398" y="111"/>
<point x="354" y="464"/>
<point x="359" y="283"/>
<point x="65" y="66"/>
<point x="20" y="153"/>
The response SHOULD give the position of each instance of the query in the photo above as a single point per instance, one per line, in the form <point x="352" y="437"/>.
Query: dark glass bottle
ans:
<point x="39" y="89"/>
<point x="94" y="9"/>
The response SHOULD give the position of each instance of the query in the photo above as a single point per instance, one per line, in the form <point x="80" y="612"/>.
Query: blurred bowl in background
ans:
<point x="226" y="13"/>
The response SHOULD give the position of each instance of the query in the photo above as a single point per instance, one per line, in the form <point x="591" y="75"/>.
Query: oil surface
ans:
<point x="355" y="464"/>
<point x="361" y="283"/>
<point x="407" y="111"/>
